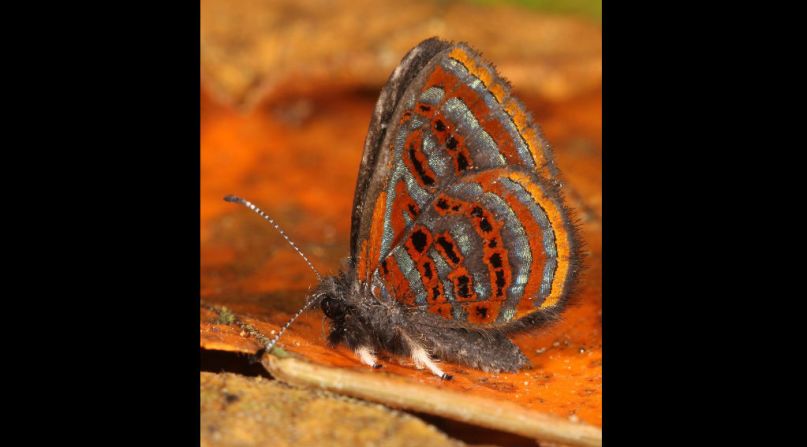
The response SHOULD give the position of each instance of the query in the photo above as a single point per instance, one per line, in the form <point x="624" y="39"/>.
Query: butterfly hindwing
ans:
<point x="461" y="215"/>
<point x="490" y="248"/>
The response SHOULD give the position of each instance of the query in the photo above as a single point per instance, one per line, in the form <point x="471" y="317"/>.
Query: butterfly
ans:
<point x="460" y="236"/>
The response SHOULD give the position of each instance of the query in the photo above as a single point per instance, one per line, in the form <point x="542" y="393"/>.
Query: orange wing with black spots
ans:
<point x="457" y="209"/>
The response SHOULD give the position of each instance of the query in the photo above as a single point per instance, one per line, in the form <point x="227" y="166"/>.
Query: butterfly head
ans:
<point x="349" y="308"/>
<point x="333" y="307"/>
<point x="334" y="297"/>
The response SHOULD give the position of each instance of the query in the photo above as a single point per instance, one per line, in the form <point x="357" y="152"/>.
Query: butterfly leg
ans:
<point x="367" y="357"/>
<point x="422" y="360"/>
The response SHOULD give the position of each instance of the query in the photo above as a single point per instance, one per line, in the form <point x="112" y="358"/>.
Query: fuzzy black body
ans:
<point x="358" y="319"/>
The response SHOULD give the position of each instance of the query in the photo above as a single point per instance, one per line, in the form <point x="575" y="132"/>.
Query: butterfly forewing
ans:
<point x="373" y="174"/>
<point x="461" y="215"/>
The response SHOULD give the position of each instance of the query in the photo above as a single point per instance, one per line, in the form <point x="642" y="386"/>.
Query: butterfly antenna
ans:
<point x="234" y="199"/>
<point x="310" y="301"/>
<point x="305" y="307"/>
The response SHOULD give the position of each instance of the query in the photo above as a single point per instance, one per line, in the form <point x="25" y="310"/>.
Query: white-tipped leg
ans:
<point x="422" y="360"/>
<point x="367" y="357"/>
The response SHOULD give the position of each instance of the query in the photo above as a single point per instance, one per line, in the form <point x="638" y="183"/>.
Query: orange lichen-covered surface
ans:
<point x="298" y="160"/>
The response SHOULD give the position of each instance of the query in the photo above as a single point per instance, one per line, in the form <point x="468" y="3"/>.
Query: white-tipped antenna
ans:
<point x="310" y="301"/>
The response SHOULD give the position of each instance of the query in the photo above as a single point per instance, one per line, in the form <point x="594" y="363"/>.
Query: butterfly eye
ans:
<point x="333" y="308"/>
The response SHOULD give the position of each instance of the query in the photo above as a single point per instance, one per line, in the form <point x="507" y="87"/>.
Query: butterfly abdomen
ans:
<point x="361" y="322"/>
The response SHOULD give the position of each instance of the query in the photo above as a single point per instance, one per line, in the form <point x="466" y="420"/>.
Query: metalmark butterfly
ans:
<point x="459" y="236"/>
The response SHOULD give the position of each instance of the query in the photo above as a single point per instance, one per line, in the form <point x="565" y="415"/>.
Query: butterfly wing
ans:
<point x="461" y="212"/>
<point x="374" y="169"/>
<point x="491" y="248"/>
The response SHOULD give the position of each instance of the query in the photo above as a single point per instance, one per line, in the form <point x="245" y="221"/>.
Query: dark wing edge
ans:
<point x="388" y="100"/>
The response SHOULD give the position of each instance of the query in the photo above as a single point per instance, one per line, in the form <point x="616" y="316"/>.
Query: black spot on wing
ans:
<point x="462" y="286"/>
<point x="427" y="180"/>
<point x="419" y="240"/>
<point x="499" y="282"/>
<point x="462" y="162"/>
<point x="427" y="270"/>
<point x="449" y="249"/>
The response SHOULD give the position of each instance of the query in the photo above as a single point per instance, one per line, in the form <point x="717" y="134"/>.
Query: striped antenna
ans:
<point x="234" y="199"/>
<point x="305" y="307"/>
